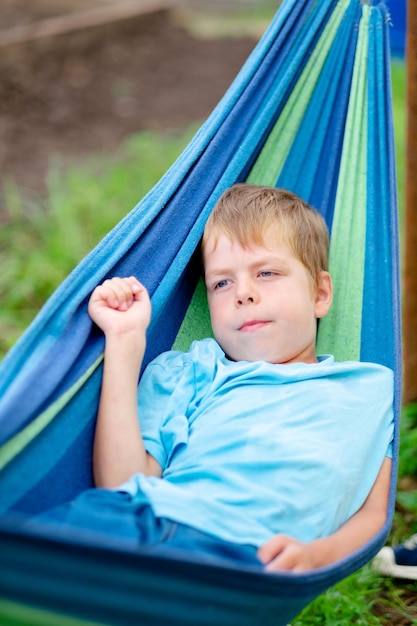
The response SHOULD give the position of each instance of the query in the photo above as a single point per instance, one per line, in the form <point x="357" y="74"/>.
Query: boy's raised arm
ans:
<point x="121" y="308"/>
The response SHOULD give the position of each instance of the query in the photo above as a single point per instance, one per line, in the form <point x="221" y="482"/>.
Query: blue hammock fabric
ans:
<point x="310" y="111"/>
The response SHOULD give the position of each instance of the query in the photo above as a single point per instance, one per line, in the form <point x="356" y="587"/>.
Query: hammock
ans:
<point x="309" y="111"/>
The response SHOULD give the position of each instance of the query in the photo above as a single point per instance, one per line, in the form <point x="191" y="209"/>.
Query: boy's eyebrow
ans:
<point x="208" y="276"/>
<point x="271" y="259"/>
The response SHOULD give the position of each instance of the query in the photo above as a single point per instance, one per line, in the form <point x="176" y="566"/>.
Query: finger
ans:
<point x="125" y="292"/>
<point x="272" y="548"/>
<point x="119" y="293"/>
<point x="136" y="287"/>
<point x="122" y="292"/>
<point x="287" y="560"/>
<point x="106" y="293"/>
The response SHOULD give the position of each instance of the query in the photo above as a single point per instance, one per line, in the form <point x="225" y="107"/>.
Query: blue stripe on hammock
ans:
<point x="381" y="314"/>
<point x="381" y="320"/>
<point x="378" y="328"/>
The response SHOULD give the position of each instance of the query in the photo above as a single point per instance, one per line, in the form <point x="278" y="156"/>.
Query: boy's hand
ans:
<point x="285" y="553"/>
<point x="120" y="305"/>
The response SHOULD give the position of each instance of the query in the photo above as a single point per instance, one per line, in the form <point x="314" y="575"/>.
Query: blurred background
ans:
<point x="80" y="76"/>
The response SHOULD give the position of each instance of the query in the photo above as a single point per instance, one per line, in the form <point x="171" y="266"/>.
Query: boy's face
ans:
<point x="262" y="302"/>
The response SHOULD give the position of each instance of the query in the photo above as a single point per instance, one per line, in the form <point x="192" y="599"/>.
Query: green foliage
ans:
<point x="364" y="599"/>
<point x="398" y="79"/>
<point x="348" y="602"/>
<point x="408" y="459"/>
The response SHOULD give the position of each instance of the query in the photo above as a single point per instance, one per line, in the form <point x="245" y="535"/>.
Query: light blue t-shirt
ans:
<point x="251" y="449"/>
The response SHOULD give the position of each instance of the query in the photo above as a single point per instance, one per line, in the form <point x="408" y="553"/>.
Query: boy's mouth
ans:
<point x="253" y="325"/>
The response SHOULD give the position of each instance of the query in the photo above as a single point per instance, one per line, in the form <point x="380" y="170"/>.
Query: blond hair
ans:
<point x="246" y="213"/>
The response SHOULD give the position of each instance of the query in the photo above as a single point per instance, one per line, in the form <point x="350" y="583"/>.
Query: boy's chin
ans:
<point x="268" y="356"/>
<point x="250" y="356"/>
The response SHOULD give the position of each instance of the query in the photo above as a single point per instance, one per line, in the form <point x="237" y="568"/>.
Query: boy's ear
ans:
<point x="324" y="294"/>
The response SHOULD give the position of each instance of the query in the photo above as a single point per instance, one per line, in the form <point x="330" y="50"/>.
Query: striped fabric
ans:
<point x="310" y="111"/>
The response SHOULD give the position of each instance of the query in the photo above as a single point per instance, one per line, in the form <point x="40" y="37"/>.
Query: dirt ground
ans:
<point x="85" y="91"/>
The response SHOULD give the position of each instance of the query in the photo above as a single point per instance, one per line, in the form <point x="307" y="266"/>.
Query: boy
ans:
<point x="248" y="446"/>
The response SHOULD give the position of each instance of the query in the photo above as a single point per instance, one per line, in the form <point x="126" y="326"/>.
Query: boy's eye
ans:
<point x="221" y="284"/>
<point x="266" y="274"/>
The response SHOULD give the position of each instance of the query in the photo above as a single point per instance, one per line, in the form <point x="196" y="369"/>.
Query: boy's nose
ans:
<point x="245" y="300"/>
<point x="246" y="294"/>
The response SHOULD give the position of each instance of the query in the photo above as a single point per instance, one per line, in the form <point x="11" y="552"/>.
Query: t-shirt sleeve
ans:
<point x="164" y="395"/>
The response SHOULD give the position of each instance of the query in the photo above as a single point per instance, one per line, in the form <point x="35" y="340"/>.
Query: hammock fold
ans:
<point x="309" y="111"/>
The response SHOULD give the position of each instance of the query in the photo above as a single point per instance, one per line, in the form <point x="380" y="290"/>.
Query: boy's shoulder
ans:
<point x="174" y="369"/>
<point x="365" y="383"/>
<point x="362" y="369"/>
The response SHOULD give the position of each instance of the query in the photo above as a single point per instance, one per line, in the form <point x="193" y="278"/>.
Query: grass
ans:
<point x="42" y="239"/>
<point x="359" y="599"/>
